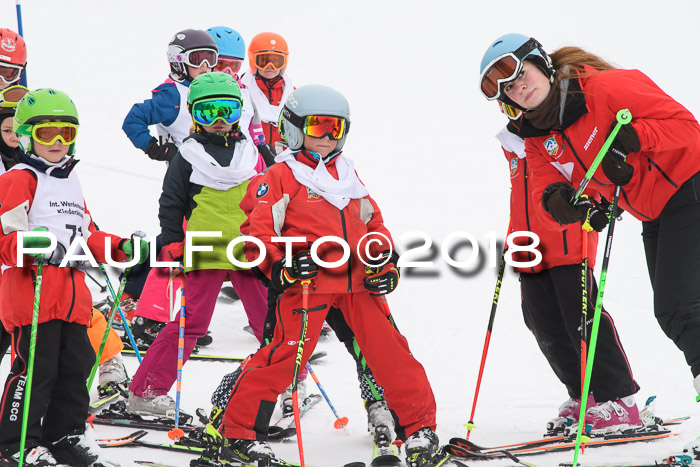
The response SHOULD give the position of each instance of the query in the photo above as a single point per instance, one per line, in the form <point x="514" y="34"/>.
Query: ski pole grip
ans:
<point x="623" y="117"/>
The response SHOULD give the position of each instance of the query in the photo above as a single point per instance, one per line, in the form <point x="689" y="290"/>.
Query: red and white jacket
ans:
<point x="277" y="205"/>
<point x="29" y="199"/>
<point x="558" y="248"/>
<point x="669" y="135"/>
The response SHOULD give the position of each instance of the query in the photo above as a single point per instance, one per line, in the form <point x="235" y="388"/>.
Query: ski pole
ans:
<point x="487" y="340"/>
<point x="297" y="365"/>
<point x="32" y="352"/>
<point x="23" y="78"/>
<point x="340" y="422"/>
<point x="103" y="288"/>
<point x="387" y="311"/>
<point x="177" y="433"/>
<point x="584" y="302"/>
<point x="110" y="318"/>
<point x="623" y="117"/>
<point x="127" y="326"/>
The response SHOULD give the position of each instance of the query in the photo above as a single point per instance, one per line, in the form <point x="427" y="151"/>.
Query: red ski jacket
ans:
<point x="273" y="89"/>
<point x="64" y="294"/>
<point x="277" y="205"/>
<point x="668" y="133"/>
<point x="558" y="248"/>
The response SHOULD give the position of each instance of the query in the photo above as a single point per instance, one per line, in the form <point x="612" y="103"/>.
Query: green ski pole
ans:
<point x="623" y="117"/>
<point x="30" y="364"/>
<point x="112" y="312"/>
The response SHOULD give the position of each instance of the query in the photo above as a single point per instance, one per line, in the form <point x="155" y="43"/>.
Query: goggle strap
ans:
<point x="293" y="118"/>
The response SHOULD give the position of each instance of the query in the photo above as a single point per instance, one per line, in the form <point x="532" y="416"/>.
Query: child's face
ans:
<point x="8" y="136"/>
<point x="269" y="72"/>
<point x="218" y="127"/>
<point x="194" y="72"/>
<point x="53" y="153"/>
<point x="322" y="146"/>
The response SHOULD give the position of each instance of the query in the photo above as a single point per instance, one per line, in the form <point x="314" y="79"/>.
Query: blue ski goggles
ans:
<point x="207" y="111"/>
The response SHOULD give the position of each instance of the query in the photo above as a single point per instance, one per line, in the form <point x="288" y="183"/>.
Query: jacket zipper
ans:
<point x="668" y="179"/>
<point x="72" y="302"/>
<point x="345" y="237"/>
<point x="527" y="207"/>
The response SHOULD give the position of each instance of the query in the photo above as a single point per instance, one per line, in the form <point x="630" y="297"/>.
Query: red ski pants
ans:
<point x="270" y="371"/>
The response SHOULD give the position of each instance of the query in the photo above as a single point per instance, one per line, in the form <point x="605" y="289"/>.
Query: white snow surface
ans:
<point x="422" y="141"/>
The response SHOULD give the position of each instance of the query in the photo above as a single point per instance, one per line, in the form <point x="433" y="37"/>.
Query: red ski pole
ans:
<point x="297" y="365"/>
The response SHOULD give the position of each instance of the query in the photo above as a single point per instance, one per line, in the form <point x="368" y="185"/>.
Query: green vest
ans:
<point x="217" y="211"/>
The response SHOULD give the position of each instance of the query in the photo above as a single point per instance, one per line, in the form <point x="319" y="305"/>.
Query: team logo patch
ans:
<point x="513" y="166"/>
<point x="8" y="44"/>
<point x="311" y="194"/>
<point x="263" y="188"/>
<point x="551" y="146"/>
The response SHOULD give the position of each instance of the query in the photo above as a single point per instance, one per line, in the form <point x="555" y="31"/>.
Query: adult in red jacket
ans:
<point x="314" y="192"/>
<point x="552" y="302"/>
<point x="571" y="102"/>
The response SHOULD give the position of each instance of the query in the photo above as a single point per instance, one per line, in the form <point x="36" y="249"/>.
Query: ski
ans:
<point x="230" y="293"/>
<point x="546" y="440"/>
<point x="121" y="441"/>
<point x="116" y="415"/>
<point x="284" y="427"/>
<point x="384" y="452"/>
<point x="153" y="464"/>
<point x="645" y="434"/>
<point x="223" y="358"/>
<point x="109" y="393"/>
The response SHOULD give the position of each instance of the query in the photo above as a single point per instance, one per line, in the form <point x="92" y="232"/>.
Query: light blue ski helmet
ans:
<point x="312" y="99"/>
<point x="522" y="47"/>
<point x="229" y="41"/>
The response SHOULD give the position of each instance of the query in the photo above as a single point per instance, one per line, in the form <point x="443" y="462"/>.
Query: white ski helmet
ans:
<point x="312" y="99"/>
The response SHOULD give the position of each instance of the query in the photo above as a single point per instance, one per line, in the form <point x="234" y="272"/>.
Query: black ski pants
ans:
<point x="672" y="247"/>
<point x="552" y="303"/>
<point x="62" y="363"/>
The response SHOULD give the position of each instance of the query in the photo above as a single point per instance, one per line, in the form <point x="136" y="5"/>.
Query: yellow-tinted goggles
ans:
<point x="49" y="133"/>
<point x="10" y="97"/>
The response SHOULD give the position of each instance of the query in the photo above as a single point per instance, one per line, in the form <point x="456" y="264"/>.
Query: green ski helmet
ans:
<point x="41" y="105"/>
<point x="212" y="85"/>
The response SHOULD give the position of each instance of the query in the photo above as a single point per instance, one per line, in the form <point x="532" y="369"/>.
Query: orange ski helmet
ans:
<point x="268" y="44"/>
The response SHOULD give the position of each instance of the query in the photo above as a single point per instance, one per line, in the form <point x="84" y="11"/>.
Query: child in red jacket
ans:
<point x="313" y="192"/>
<point x="43" y="193"/>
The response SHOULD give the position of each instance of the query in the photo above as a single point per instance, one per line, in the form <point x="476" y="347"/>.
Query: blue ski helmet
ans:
<point x="503" y="59"/>
<point x="229" y="41"/>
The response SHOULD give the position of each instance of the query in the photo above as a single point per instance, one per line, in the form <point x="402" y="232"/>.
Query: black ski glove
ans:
<point x="383" y="279"/>
<point x="302" y="268"/>
<point x="614" y="166"/>
<point x="556" y="201"/>
<point x="158" y="152"/>
<point x="268" y="154"/>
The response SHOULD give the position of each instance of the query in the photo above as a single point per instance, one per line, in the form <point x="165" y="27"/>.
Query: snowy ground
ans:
<point x="422" y="142"/>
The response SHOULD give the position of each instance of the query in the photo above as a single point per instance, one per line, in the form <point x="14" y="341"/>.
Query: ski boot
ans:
<point x="246" y="451"/>
<point x="422" y="448"/>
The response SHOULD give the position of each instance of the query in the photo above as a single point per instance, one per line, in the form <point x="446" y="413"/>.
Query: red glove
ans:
<point x="174" y="251"/>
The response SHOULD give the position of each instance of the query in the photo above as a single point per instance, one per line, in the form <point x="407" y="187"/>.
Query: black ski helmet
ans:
<point x="183" y="42"/>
